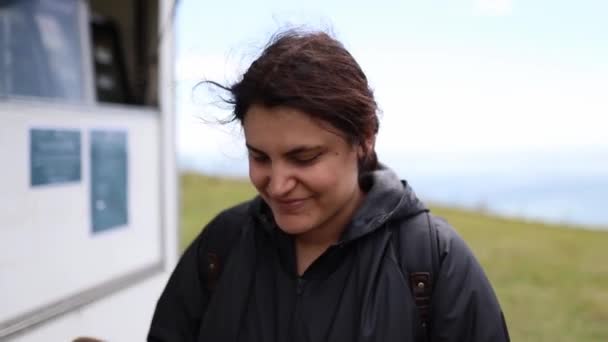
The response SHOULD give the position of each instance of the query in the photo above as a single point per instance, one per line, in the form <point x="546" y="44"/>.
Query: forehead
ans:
<point x="285" y="127"/>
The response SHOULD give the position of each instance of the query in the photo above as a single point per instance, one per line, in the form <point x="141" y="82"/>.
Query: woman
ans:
<point x="335" y="247"/>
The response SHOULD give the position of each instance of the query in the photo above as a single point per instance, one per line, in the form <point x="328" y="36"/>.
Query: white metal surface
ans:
<point x="48" y="249"/>
<point x="58" y="279"/>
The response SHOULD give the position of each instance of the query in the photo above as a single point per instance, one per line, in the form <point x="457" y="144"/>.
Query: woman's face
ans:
<point x="306" y="173"/>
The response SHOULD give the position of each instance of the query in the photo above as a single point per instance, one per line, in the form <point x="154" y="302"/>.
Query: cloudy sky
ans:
<point x="452" y="77"/>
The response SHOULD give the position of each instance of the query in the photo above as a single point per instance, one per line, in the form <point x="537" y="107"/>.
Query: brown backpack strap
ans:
<point x="418" y="255"/>
<point x="422" y="288"/>
<point x="213" y="270"/>
<point x="219" y="243"/>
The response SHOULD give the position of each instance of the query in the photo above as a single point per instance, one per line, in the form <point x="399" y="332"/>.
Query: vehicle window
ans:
<point x="41" y="53"/>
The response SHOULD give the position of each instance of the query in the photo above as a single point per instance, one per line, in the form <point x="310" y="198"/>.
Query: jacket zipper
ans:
<point x="299" y="288"/>
<point x="300" y="282"/>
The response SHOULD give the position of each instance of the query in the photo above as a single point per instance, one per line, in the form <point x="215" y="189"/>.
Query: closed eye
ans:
<point x="258" y="158"/>
<point x="306" y="160"/>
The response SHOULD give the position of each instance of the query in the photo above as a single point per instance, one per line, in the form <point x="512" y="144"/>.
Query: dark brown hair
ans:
<point x="314" y="73"/>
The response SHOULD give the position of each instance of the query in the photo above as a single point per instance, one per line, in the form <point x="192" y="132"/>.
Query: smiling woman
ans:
<point x="335" y="247"/>
<point x="306" y="174"/>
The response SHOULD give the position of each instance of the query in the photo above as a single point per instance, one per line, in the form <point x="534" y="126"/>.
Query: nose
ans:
<point x="281" y="181"/>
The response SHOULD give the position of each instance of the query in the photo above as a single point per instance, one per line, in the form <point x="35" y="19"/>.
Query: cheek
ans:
<point x="257" y="176"/>
<point x="332" y="178"/>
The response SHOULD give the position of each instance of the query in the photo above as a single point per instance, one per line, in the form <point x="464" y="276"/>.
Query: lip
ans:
<point x="290" y="205"/>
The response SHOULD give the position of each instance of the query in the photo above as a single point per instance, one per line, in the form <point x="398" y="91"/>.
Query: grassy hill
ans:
<point x="552" y="281"/>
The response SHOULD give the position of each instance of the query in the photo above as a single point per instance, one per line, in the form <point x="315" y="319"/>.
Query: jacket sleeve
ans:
<point x="182" y="304"/>
<point x="465" y="307"/>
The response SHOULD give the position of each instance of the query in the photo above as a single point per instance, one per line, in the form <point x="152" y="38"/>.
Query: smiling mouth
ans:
<point x="290" y="205"/>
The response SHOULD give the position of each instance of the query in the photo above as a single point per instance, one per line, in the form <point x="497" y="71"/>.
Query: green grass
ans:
<point x="204" y="197"/>
<point x="552" y="281"/>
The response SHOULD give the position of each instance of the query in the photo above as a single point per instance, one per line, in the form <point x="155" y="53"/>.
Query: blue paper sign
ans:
<point x="109" y="180"/>
<point x="54" y="156"/>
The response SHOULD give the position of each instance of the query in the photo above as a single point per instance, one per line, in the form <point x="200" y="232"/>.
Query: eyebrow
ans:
<point x="292" y="152"/>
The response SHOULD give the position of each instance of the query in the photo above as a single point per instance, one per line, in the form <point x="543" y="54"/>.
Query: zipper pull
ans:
<point x="300" y="282"/>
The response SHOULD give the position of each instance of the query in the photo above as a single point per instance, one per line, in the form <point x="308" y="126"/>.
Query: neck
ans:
<point x="310" y="245"/>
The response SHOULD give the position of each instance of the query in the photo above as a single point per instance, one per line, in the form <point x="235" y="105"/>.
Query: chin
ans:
<point x="293" y="225"/>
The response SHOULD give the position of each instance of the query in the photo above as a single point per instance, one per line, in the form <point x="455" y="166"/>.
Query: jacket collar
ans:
<point x="387" y="198"/>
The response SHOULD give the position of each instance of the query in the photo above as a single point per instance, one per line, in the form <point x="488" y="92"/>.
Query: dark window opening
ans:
<point x="44" y="50"/>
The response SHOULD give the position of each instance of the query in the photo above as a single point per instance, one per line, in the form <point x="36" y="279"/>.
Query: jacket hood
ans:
<point x="387" y="198"/>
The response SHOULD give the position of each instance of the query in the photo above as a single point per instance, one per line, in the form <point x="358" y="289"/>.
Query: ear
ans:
<point x="369" y="144"/>
<point x="366" y="146"/>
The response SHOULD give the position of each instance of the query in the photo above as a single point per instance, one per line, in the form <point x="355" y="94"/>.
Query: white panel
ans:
<point x="47" y="249"/>
<point x="166" y="89"/>
<point x="123" y="316"/>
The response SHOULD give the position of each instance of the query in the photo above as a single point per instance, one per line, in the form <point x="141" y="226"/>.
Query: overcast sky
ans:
<point x="451" y="77"/>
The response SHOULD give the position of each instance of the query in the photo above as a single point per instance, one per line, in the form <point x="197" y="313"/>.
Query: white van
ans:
<point x="88" y="180"/>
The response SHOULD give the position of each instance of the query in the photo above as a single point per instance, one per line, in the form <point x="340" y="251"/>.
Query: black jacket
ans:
<point x="355" y="291"/>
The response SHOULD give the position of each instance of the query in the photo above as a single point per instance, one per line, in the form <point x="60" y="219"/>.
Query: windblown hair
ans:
<point x="314" y="73"/>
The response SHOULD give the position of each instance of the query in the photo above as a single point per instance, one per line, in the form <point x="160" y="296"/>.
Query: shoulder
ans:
<point x="235" y="217"/>
<point x="463" y="290"/>
<point x="431" y="237"/>
<point x="449" y="242"/>
<point x="186" y="295"/>
<point x="446" y="234"/>
<point x="236" y="214"/>
<point x="458" y="264"/>
<point x="225" y="224"/>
